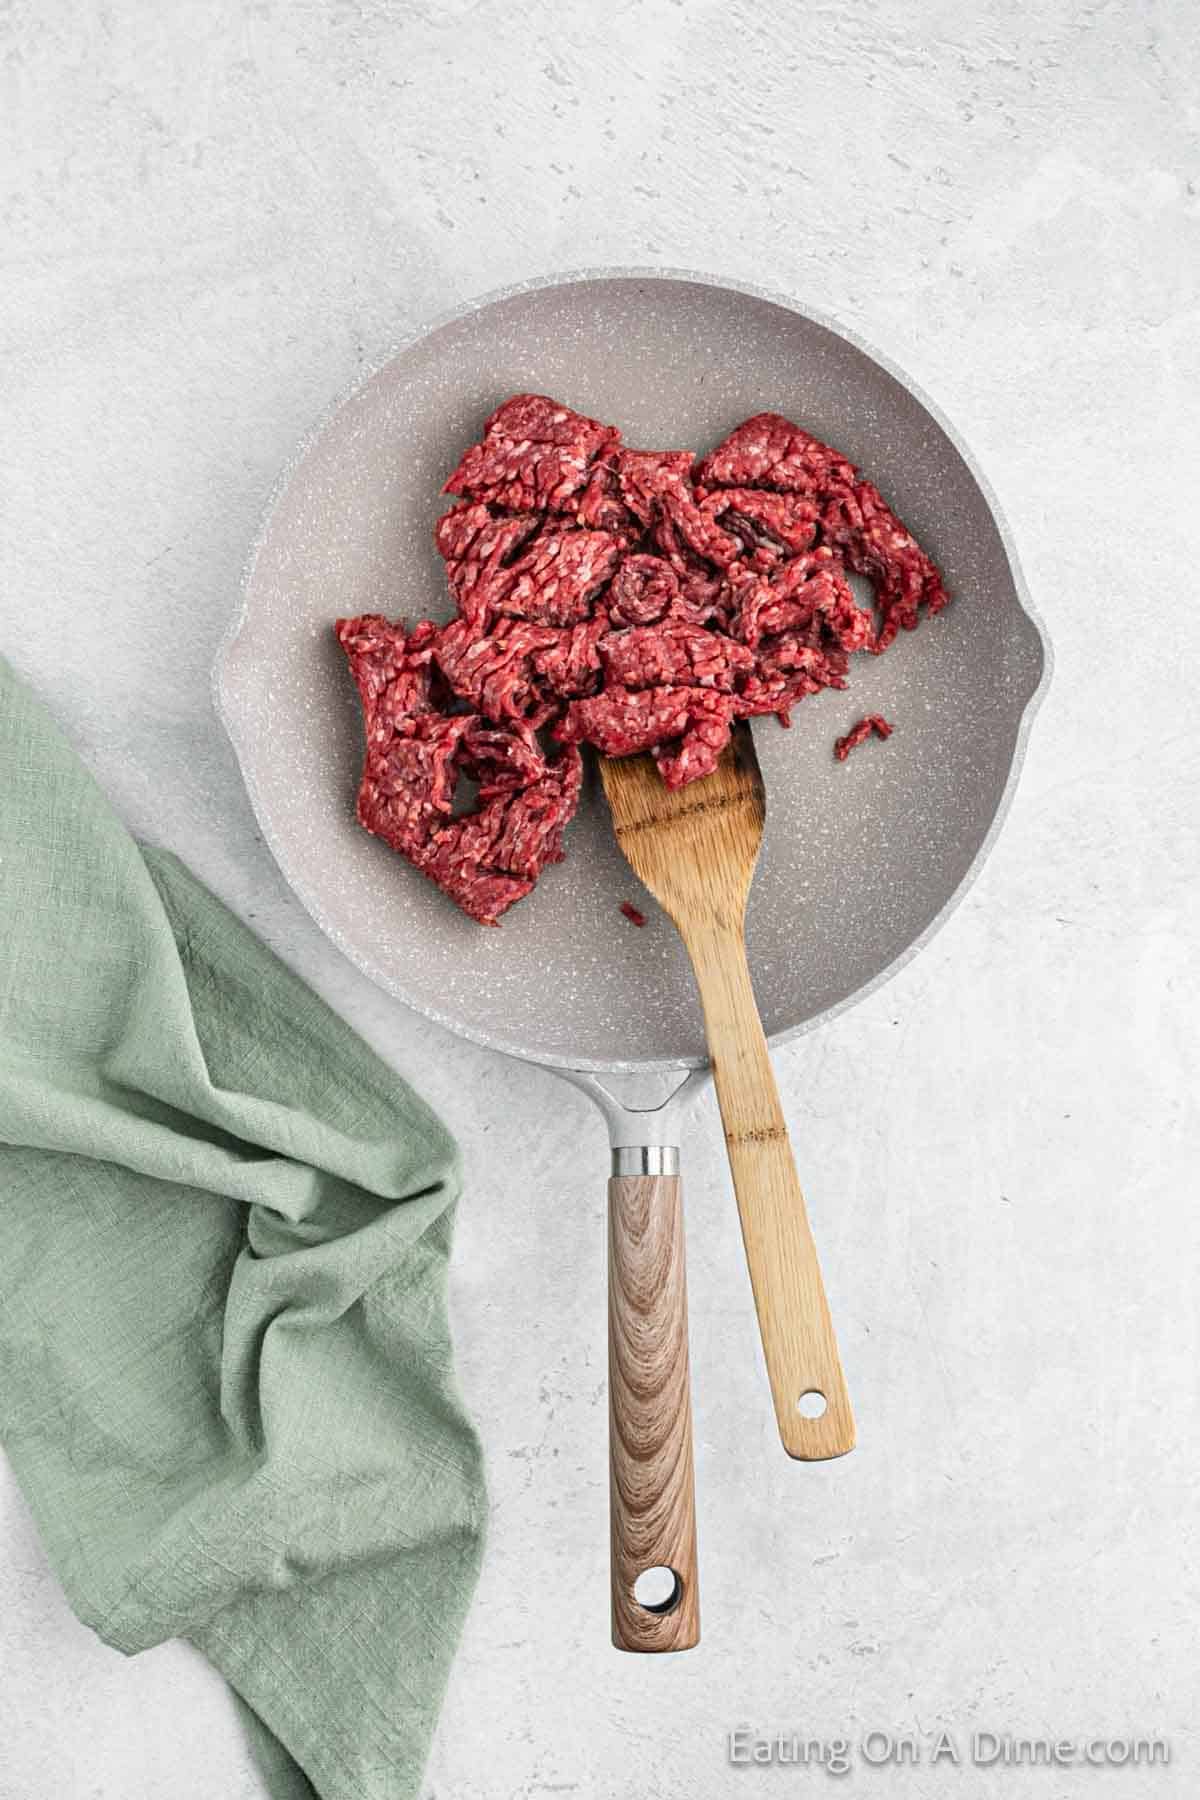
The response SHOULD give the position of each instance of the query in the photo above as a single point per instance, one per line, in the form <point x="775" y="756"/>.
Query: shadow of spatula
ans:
<point x="695" y="850"/>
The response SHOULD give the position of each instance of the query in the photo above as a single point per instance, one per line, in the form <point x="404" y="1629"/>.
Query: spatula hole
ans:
<point x="658" y="1590"/>
<point x="811" y="1404"/>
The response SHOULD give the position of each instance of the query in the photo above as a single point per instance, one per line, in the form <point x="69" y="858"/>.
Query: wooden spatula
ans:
<point x="695" y="849"/>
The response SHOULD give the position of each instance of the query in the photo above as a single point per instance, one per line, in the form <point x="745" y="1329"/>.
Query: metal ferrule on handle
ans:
<point x="645" y="1159"/>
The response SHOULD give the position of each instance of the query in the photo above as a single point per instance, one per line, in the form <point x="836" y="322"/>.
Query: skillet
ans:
<point x="861" y="862"/>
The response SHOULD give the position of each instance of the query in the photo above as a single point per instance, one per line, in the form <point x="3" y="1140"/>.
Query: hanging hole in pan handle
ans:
<point x="812" y="1404"/>
<point x="658" y="1590"/>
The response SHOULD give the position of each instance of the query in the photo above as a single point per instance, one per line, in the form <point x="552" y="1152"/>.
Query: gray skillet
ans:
<point x="861" y="861"/>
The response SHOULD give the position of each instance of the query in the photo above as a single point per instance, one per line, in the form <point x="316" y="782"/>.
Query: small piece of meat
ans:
<point x="511" y="834"/>
<point x="633" y="913"/>
<point x="699" y="749"/>
<point x="483" y="894"/>
<point x="486" y="859"/>
<point x="500" y="761"/>
<point x="600" y="506"/>
<point x="472" y="532"/>
<point x="656" y="485"/>
<point x="570" y="666"/>
<point x="535" y="456"/>
<point x="788" y="670"/>
<point x="556" y="580"/>
<point x="618" y="722"/>
<point x="874" y="542"/>
<point x="476" y="545"/>
<point x="392" y="669"/>
<point x="768" y="451"/>
<point x="646" y="477"/>
<point x="408" y="782"/>
<point x="809" y="592"/>
<point x="805" y="589"/>
<point x="858" y="734"/>
<point x="672" y="654"/>
<point x="410" y="764"/>
<point x="494" y="672"/>
<point x="643" y="590"/>
<point x="685" y="728"/>
<point x="533" y="831"/>
<point x="766" y="525"/>
<point x="702" y="588"/>
<point x="843" y="621"/>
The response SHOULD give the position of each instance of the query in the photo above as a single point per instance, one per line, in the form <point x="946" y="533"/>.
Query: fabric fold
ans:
<point x="226" y="1378"/>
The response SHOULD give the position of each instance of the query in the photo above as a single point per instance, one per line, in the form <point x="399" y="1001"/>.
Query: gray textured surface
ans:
<point x="211" y="217"/>
<point x="857" y="861"/>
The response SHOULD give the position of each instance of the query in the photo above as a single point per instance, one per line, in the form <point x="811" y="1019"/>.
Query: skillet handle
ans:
<point x="652" y="1501"/>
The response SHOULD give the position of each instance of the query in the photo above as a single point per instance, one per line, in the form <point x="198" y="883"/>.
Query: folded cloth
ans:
<point x="226" y="1383"/>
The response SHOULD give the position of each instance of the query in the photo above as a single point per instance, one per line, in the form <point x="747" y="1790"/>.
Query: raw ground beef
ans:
<point x="629" y="599"/>
<point x="858" y="734"/>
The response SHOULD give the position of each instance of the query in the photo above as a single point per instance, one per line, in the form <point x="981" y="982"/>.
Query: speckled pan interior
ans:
<point x="859" y="859"/>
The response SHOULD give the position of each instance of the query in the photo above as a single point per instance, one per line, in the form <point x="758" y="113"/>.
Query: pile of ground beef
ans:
<point x="629" y="599"/>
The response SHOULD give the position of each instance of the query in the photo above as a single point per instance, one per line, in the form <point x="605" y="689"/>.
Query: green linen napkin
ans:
<point x="226" y="1381"/>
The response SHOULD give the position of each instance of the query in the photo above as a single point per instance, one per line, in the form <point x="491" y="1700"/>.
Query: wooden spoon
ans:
<point x="695" y="849"/>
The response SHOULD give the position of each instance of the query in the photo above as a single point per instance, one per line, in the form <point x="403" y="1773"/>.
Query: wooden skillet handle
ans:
<point x="789" y="1296"/>
<point x="651" y="1485"/>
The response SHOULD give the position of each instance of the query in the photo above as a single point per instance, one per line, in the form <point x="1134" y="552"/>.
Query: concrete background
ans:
<point x="211" y="216"/>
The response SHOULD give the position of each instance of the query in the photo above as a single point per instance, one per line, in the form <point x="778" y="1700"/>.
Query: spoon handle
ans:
<point x="789" y="1295"/>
